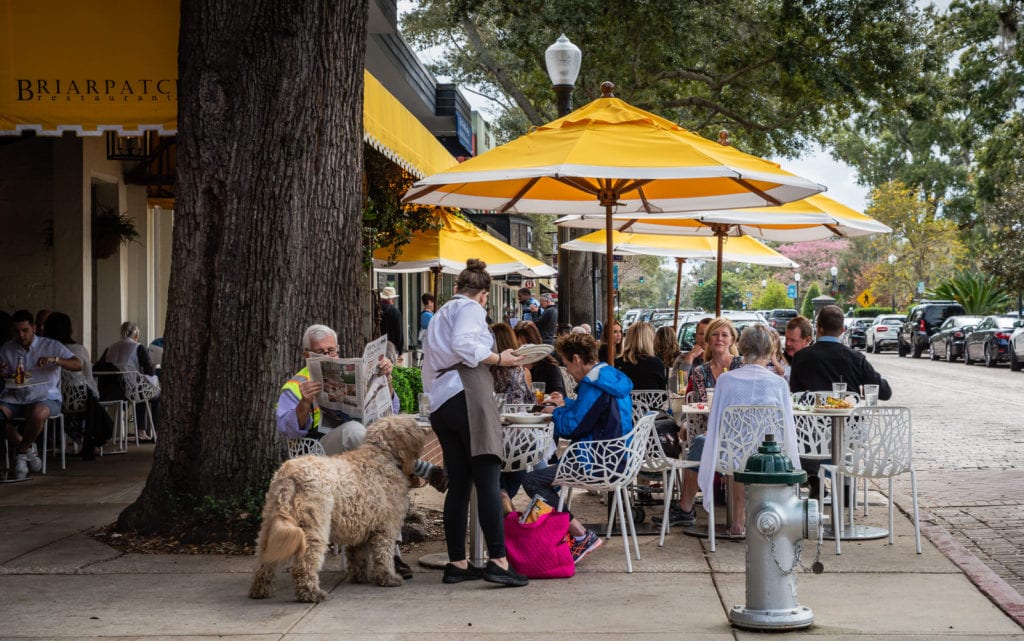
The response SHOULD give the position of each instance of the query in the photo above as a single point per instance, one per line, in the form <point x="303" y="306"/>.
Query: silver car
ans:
<point x="883" y="333"/>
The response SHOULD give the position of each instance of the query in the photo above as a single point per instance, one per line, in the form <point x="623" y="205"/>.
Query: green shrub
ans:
<point x="408" y="384"/>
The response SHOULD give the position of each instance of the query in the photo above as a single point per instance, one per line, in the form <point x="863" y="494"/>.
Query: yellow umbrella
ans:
<point x="738" y="249"/>
<point x="446" y="249"/>
<point x="813" y="218"/>
<point x="608" y="156"/>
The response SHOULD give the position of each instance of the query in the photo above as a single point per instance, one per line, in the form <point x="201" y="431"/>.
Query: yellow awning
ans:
<point x="88" y="66"/>
<point x="91" y="66"/>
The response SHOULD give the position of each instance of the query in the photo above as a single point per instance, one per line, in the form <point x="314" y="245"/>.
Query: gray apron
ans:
<point x="481" y="411"/>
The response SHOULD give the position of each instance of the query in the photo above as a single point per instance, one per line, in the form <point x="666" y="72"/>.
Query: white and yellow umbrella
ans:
<point x="609" y="157"/>
<point x="446" y="248"/>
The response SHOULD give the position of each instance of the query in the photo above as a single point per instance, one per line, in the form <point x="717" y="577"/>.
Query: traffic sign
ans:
<point x="791" y="292"/>
<point x="866" y="298"/>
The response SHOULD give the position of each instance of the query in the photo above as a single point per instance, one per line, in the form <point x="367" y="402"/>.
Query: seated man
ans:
<point x="43" y="359"/>
<point x="602" y="409"/>
<point x="298" y="415"/>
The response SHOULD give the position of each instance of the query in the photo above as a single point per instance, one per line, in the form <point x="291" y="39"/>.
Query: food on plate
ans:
<point x="833" y="403"/>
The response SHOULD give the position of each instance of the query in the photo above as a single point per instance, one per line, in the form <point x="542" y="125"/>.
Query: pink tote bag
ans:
<point x="540" y="550"/>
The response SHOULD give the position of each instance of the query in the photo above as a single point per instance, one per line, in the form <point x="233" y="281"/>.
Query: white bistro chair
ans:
<point x="607" y="466"/>
<point x="138" y="390"/>
<point x="648" y="400"/>
<point x="877" y="443"/>
<point x="742" y="431"/>
<point x="671" y="469"/>
<point x="302" y="446"/>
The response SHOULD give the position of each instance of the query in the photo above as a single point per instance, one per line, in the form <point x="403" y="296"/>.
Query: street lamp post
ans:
<point x="562" y="60"/>
<point x="796" y="301"/>
<point x="835" y="272"/>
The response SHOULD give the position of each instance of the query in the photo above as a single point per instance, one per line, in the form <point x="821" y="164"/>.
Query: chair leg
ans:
<point x="917" y="516"/>
<point x="865" y="497"/>
<point x="891" y="510"/>
<point x="63" y="445"/>
<point x="46" y="433"/>
<point x="711" y="518"/>
<point x="152" y="426"/>
<point x="667" y="482"/>
<point x="837" y="512"/>
<point x="622" y="523"/>
<point x="611" y="514"/>
<point x="632" y="526"/>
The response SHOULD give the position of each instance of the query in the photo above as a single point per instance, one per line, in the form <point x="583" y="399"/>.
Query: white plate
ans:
<point x="533" y="353"/>
<point x="526" y="419"/>
<point x="835" y="411"/>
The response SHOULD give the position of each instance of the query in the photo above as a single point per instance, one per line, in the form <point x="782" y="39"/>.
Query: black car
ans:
<point x="948" y="342"/>
<point x="778" y="318"/>
<point x="855" y="334"/>
<point x="990" y="340"/>
<point x="923" y="320"/>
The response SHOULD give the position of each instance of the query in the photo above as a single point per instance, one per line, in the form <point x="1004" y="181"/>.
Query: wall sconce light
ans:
<point x="127" y="147"/>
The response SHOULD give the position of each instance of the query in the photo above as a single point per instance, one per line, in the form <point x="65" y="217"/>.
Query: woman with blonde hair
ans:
<point x="720" y="356"/>
<point x="638" y="361"/>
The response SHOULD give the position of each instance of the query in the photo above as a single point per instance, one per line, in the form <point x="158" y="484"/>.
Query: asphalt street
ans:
<point x="968" y="452"/>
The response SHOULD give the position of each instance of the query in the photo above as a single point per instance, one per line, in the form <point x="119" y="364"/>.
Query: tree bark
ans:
<point x="266" y="238"/>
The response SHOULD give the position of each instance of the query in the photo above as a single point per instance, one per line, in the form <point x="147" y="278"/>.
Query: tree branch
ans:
<point x="507" y="84"/>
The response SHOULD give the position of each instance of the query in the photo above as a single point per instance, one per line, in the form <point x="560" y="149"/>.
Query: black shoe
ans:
<point x="677" y="517"/>
<point x="494" y="573"/>
<point x="455" y="574"/>
<point x="402" y="568"/>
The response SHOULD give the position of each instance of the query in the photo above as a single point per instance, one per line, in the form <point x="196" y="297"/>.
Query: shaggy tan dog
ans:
<point x="357" y="499"/>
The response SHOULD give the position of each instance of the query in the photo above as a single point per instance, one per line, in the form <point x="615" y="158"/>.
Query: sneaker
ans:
<point x="402" y="568"/>
<point x="494" y="573"/>
<point x="585" y="545"/>
<point x="676" y="516"/>
<point x="34" y="462"/>
<point x="20" y="467"/>
<point x="455" y="574"/>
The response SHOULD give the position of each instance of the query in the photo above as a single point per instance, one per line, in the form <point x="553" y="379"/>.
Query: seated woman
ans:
<point x="601" y="410"/>
<point x="514" y="382"/>
<point x="638" y="361"/>
<point x="720" y="356"/>
<point x="666" y="346"/>
<point x="128" y="355"/>
<point x="756" y="383"/>
<point x="545" y="370"/>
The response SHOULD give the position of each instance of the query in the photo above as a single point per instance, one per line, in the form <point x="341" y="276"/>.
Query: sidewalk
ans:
<point x="59" y="583"/>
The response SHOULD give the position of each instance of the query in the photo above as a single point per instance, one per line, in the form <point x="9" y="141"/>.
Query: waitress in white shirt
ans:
<point x="458" y="352"/>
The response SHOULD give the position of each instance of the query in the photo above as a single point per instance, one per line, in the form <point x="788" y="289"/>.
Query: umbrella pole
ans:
<point x="720" y="231"/>
<point x="435" y="275"/>
<point x="679" y="280"/>
<point x="607" y="334"/>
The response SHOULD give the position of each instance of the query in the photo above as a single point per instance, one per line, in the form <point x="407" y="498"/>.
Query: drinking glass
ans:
<point x="839" y="390"/>
<point x="870" y="393"/>
<point x="538" y="392"/>
<point x="710" y="392"/>
<point x="423" y="402"/>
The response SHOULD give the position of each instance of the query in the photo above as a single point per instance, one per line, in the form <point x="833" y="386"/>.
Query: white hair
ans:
<point x="317" y="333"/>
<point x="129" y="329"/>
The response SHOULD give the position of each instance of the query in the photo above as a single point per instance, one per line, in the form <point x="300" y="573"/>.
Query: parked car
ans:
<point x="948" y="342"/>
<point x="881" y="334"/>
<point x="630" y="317"/>
<point x="989" y="341"/>
<point x="777" y="318"/>
<point x="855" y="334"/>
<point x="923" y="320"/>
<point x="1017" y="346"/>
<point x="661" y="318"/>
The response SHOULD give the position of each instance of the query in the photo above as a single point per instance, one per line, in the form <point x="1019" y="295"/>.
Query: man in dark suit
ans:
<point x="828" y="361"/>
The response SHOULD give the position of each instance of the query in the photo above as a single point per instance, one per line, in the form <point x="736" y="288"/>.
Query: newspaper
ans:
<point x="354" y="388"/>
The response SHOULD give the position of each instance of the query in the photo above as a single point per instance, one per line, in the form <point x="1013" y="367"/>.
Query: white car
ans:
<point x="883" y="332"/>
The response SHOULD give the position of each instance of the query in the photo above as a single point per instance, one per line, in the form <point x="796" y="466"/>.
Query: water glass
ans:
<point x="839" y="390"/>
<point x="710" y="392"/>
<point x="870" y="393"/>
<point x="538" y="392"/>
<point x="423" y="402"/>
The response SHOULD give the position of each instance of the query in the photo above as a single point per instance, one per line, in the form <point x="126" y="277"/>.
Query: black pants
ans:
<point x="451" y="425"/>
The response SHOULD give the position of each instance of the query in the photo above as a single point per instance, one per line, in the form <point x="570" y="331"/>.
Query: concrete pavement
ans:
<point x="59" y="583"/>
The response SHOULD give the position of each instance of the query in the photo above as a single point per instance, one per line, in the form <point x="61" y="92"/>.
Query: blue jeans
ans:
<point x="538" y="482"/>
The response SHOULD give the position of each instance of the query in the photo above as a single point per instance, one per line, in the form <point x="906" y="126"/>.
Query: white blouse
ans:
<point x="457" y="334"/>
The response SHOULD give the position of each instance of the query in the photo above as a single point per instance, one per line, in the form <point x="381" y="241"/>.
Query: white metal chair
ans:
<point x="814" y="434"/>
<point x="741" y="432"/>
<point x="302" y="446"/>
<point x="57" y="420"/>
<point x="876" y="444"/>
<point x="671" y="469"/>
<point x="693" y="425"/>
<point x="568" y="382"/>
<point x="524" y="447"/>
<point x="138" y="390"/>
<point x="73" y="398"/>
<point x="607" y="466"/>
<point x="120" y="436"/>
<point x="648" y="400"/>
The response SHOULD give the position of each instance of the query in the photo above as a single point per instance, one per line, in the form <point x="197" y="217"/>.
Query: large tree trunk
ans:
<point x="266" y="238"/>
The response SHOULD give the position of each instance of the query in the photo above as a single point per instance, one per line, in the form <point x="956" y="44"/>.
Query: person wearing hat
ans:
<point x="391" y="319"/>
<point x="547" y="321"/>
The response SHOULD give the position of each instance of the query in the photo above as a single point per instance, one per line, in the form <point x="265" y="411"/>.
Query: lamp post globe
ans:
<point x="562" y="60"/>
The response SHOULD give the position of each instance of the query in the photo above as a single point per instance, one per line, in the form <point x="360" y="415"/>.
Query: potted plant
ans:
<point x="110" y="230"/>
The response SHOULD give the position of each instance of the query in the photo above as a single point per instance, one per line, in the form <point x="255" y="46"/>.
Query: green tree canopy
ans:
<point x="775" y="296"/>
<point x="807" y="308"/>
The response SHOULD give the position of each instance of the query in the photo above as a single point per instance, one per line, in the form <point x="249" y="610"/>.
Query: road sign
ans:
<point x="615" y="277"/>
<point x="920" y="287"/>
<point x="866" y="298"/>
<point x="791" y="292"/>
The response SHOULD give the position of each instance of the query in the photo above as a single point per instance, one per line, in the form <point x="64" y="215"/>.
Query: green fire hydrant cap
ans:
<point x="770" y="466"/>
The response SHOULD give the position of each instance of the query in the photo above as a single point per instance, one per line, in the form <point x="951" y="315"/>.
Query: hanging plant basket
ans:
<point x="110" y="230"/>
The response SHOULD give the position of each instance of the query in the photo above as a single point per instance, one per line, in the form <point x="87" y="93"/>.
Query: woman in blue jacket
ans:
<point x="601" y="410"/>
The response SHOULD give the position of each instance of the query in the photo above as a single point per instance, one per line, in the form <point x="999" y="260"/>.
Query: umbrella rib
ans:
<point x="578" y="183"/>
<point x="746" y="185"/>
<point x="429" y="189"/>
<point x="519" y="195"/>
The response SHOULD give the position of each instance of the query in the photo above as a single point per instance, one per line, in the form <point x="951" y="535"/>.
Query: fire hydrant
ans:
<point x="777" y="521"/>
